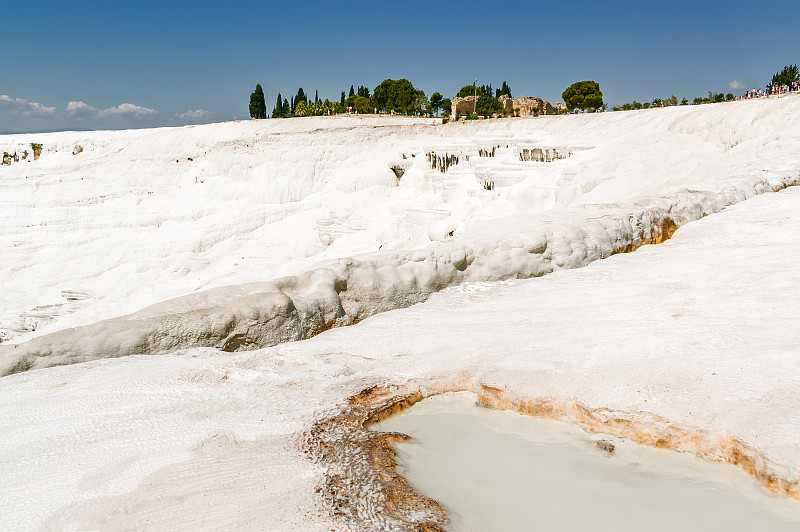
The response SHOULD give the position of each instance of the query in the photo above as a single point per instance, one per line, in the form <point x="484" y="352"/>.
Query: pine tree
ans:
<point x="277" y="111"/>
<point x="787" y="76"/>
<point x="258" y="107"/>
<point x="583" y="94"/>
<point x="436" y="102"/>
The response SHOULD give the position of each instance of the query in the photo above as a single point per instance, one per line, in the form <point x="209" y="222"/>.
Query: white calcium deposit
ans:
<point x="701" y="330"/>
<point x="310" y="210"/>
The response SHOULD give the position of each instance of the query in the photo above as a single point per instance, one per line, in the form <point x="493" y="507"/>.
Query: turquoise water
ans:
<point x="496" y="470"/>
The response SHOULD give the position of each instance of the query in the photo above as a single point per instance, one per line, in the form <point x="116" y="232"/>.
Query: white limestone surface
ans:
<point x="140" y="217"/>
<point x="701" y="330"/>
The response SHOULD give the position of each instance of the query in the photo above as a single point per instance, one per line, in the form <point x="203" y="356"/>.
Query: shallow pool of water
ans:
<point x="498" y="470"/>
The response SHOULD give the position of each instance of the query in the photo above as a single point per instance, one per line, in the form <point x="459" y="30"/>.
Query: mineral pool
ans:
<point x="499" y="470"/>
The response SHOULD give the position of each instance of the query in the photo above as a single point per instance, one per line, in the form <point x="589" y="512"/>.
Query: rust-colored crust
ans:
<point x="361" y="485"/>
<point x="363" y="489"/>
<point x="649" y="429"/>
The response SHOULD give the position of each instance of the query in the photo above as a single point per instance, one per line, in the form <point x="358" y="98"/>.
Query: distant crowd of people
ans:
<point x="774" y="90"/>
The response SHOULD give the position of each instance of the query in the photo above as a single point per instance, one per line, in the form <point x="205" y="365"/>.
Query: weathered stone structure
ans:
<point x="531" y="106"/>
<point x="508" y="104"/>
<point x="463" y="106"/>
<point x="527" y="105"/>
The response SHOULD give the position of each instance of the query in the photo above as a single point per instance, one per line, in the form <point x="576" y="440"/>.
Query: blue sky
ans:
<point x="145" y="63"/>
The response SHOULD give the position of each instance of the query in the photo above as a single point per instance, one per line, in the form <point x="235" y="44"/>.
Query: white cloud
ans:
<point x="82" y="109"/>
<point x="736" y="85"/>
<point x="126" y="109"/>
<point x="27" y="107"/>
<point x="79" y="108"/>
<point x="197" y="114"/>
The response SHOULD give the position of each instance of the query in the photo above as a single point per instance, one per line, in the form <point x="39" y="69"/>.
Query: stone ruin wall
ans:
<point x="508" y="104"/>
<point x="462" y="106"/>
<point x="526" y="105"/>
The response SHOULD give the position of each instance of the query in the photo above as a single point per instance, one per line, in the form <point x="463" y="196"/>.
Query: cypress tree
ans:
<point x="277" y="111"/>
<point x="316" y="96"/>
<point x="301" y="97"/>
<point x="342" y="100"/>
<point x="352" y="92"/>
<point x="258" y="107"/>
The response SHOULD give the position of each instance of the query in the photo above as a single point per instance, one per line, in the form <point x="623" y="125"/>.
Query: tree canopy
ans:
<point x="360" y="104"/>
<point x="396" y="95"/>
<point x="436" y="101"/>
<point x="488" y="105"/>
<point x="447" y="105"/>
<point x="258" y="106"/>
<point x="787" y="76"/>
<point x="505" y="89"/>
<point x="300" y="97"/>
<point x="277" y="111"/>
<point x="421" y="102"/>
<point x="583" y="94"/>
<point x="469" y="90"/>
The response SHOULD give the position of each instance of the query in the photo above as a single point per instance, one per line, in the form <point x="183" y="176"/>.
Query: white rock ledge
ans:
<point x="349" y="290"/>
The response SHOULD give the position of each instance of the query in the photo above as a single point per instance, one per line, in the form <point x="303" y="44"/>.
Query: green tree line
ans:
<point x="391" y="95"/>
<point x="788" y="75"/>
